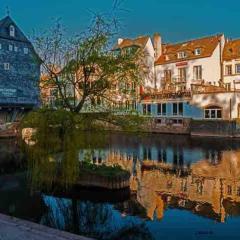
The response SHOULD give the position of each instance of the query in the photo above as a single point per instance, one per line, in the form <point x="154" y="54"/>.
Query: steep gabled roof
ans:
<point x="231" y="50"/>
<point x="139" y="42"/>
<point x="5" y="23"/>
<point x="207" y="45"/>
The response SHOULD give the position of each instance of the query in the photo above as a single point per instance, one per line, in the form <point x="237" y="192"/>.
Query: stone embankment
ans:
<point x="16" y="229"/>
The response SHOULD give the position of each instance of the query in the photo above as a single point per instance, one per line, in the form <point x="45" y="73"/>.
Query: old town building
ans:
<point x="19" y="72"/>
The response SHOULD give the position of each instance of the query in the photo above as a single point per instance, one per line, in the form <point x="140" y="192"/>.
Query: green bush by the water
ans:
<point x="102" y="170"/>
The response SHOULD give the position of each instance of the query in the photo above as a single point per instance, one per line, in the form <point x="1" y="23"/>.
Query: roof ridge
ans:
<point x="196" y="39"/>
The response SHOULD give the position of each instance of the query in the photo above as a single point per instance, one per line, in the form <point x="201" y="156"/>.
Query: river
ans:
<point x="181" y="188"/>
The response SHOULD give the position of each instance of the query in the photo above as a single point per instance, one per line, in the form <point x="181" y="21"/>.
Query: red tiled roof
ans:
<point x="139" y="42"/>
<point x="231" y="50"/>
<point x="207" y="46"/>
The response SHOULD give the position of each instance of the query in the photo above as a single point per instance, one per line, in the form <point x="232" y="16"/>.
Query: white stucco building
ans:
<point x="231" y="64"/>
<point x="193" y="62"/>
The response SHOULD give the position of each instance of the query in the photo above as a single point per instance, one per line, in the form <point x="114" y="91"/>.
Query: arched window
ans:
<point x="213" y="112"/>
<point x="12" y="31"/>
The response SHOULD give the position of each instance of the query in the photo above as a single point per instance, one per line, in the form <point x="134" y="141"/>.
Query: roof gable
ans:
<point x="206" y="45"/>
<point x="5" y="23"/>
<point x="231" y="50"/>
<point x="139" y="42"/>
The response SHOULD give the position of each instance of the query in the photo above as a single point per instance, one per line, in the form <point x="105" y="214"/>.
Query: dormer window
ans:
<point x="182" y="55"/>
<point x="197" y="51"/>
<point x="12" y="31"/>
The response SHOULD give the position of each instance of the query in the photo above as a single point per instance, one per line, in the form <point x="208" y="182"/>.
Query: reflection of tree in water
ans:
<point x="96" y="220"/>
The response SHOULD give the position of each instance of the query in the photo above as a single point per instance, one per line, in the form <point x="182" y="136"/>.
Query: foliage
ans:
<point x="47" y="119"/>
<point x="84" y="68"/>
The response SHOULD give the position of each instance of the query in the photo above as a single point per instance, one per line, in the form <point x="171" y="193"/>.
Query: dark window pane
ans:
<point x="180" y="106"/>
<point x="174" y="108"/>
<point x="144" y="108"/>
<point x="159" y="109"/>
<point x="164" y="109"/>
<point x="219" y="113"/>
<point x="213" y="113"/>
<point x="149" y="109"/>
<point x="207" y="114"/>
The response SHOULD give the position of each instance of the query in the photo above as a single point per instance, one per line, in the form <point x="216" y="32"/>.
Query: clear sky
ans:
<point x="175" y="20"/>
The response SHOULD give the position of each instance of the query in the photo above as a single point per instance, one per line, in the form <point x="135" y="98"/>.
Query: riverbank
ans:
<point x="17" y="229"/>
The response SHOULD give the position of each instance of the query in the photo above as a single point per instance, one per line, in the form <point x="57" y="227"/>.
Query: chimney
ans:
<point x="120" y="41"/>
<point x="157" y="44"/>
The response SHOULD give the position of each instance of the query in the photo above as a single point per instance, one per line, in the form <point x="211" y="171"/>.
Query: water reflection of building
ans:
<point x="208" y="189"/>
<point x="198" y="176"/>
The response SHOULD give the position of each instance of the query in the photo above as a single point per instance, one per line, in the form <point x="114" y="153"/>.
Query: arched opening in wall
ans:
<point x="213" y="112"/>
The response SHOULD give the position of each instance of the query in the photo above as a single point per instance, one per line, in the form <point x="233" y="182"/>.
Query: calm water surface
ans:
<point x="181" y="188"/>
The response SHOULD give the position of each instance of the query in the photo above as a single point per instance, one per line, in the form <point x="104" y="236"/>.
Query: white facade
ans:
<point x="210" y="69"/>
<point x="228" y="102"/>
<point x="149" y="61"/>
<point x="232" y="79"/>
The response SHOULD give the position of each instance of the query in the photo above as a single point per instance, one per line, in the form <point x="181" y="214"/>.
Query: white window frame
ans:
<point x="197" y="72"/>
<point x="210" y="111"/>
<point x="178" y="108"/>
<point x="197" y="51"/>
<point x="161" y="108"/>
<point x="25" y="50"/>
<point x="237" y="68"/>
<point x="6" y="66"/>
<point x="12" y="31"/>
<point x="15" y="49"/>
<point x="146" y="107"/>
<point x="10" y="47"/>
<point x="182" y="55"/>
<point x="227" y="68"/>
<point x="0" y="46"/>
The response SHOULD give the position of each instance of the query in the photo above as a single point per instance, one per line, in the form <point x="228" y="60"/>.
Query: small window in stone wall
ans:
<point x="6" y="66"/>
<point x="25" y="50"/>
<point x="12" y="31"/>
<point x="0" y="46"/>
<point x="10" y="47"/>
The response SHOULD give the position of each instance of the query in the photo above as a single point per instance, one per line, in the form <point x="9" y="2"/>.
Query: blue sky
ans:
<point x="175" y="20"/>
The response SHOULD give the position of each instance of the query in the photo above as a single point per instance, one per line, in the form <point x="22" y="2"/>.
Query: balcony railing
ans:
<point x="166" y="94"/>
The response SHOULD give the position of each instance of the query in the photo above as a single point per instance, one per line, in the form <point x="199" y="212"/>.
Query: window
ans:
<point x="25" y="50"/>
<point x="177" y="109"/>
<point x="228" y="70"/>
<point x="147" y="109"/>
<point x="197" y="51"/>
<point x="12" y="31"/>
<point x="238" y="191"/>
<point x="15" y="49"/>
<point x="10" y="47"/>
<point x="213" y="112"/>
<point x="197" y="72"/>
<point x="229" y="190"/>
<point x="228" y="86"/>
<point x="6" y="66"/>
<point x="237" y="68"/>
<point x="167" y="75"/>
<point x="182" y="55"/>
<point x="182" y="74"/>
<point x="162" y="109"/>
<point x="0" y="46"/>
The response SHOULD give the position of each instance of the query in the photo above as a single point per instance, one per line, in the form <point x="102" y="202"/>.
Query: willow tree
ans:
<point x="84" y="68"/>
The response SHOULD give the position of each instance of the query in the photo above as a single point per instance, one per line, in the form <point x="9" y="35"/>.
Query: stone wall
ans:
<point x="218" y="128"/>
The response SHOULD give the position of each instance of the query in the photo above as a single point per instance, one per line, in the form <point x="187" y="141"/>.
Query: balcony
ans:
<point x="167" y="95"/>
<point x="179" y="80"/>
